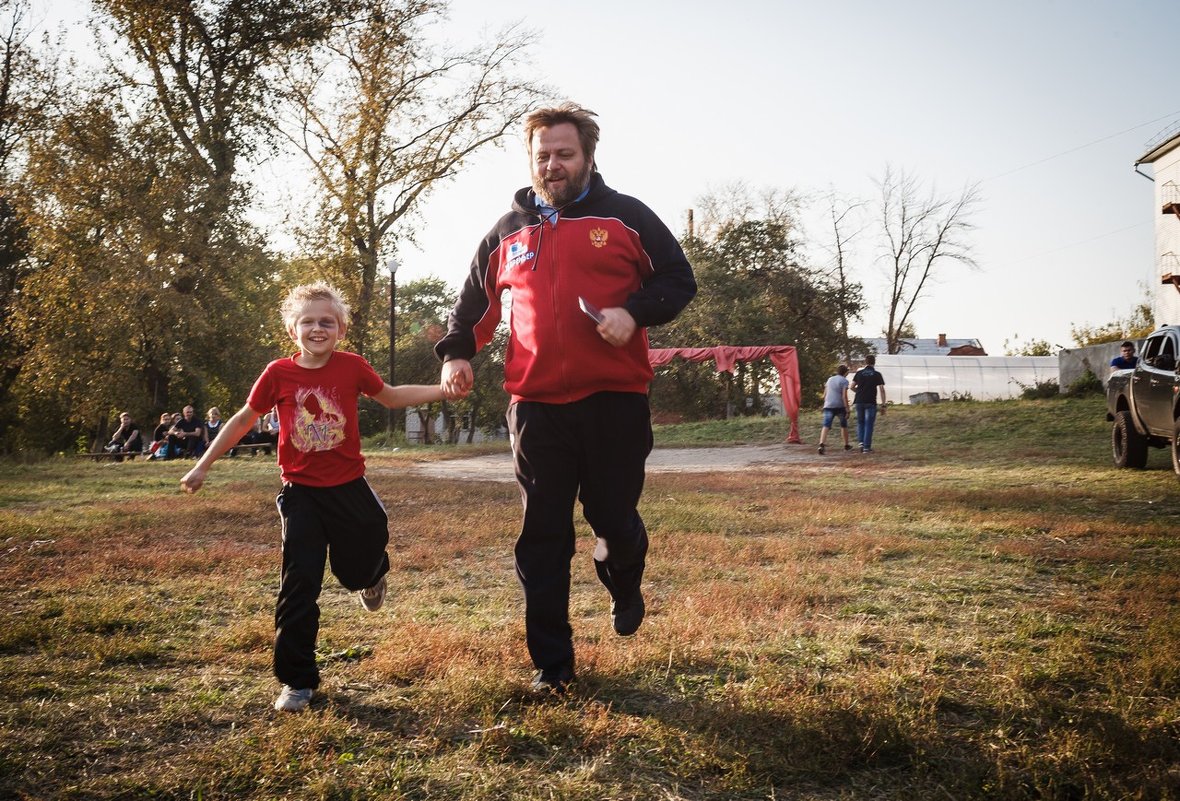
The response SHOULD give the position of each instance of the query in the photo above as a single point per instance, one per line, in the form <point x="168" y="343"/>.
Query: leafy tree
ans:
<point x="907" y="331"/>
<point x="150" y="289"/>
<point x="28" y="90"/>
<point x="1138" y="323"/>
<point x="1034" y="347"/>
<point x="755" y="289"/>
<point x="204" y="70"/>
<point x="422" y="306"/>
<point x="919" y="232"/>
<point x="110" y="322"/>
<point x="422" y="309"/>
<point x="383" y="117"/>
<point x="206" y="67"/>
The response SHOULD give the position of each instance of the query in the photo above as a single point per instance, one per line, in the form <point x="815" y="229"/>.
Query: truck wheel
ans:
<point x="1176" y="447"/>
<point x="1128" y="446"/>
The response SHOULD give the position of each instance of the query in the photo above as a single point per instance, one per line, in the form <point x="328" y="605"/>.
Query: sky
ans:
<point x="1044" y="104"/>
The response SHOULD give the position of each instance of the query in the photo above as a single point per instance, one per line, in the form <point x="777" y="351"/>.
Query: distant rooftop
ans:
<point x="1161" y="143"/>
<point x="940" y="346"/>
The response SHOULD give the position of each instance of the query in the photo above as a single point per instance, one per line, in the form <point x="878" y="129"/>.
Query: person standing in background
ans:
<point x="835" y="406"/>
<point x="865" y="385"/>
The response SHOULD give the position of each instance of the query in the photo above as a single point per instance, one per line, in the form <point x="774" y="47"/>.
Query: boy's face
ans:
<point x="317" y="329"/>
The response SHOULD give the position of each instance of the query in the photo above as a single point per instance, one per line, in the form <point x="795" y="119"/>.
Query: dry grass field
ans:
<point x="984" y="608"/>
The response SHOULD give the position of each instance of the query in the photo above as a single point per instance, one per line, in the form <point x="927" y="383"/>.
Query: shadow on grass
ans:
<point x="835" y="746"/>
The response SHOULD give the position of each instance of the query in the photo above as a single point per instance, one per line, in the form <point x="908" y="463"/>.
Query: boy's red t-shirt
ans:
<point x="319" y="439"/>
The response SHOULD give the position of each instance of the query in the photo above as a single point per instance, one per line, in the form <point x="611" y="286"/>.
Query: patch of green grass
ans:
<point x="984" y="609"/>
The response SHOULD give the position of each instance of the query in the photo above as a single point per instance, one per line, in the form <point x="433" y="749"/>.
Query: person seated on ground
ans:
<point x="126" y="441"/>
<point x="188" y="434"/>
<point x="175" y="442"/>
<point x="212" y="426"/>
<point x="1126" y="360"/>
<point x="159" y="447"/>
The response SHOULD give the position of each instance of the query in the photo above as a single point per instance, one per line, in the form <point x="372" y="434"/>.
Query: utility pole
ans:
<point x="392" y="265"/>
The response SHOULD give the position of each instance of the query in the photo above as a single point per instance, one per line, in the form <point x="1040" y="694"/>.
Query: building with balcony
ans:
<point x="1163" y="158"/>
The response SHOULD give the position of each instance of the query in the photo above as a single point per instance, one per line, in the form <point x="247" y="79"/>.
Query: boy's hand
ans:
<point x="452" y="392"/>
<point x="193" y="480"/>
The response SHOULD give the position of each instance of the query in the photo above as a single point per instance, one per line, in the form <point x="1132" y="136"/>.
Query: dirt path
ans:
<point x="498" y="467"/>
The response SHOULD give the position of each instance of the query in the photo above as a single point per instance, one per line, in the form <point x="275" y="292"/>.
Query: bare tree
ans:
<point x="844" y="214"/>
<point x="920" y="232"/>
<point x="384" y="116"/>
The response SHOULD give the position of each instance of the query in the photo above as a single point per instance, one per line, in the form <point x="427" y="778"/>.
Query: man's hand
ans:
<point x="193" y="480"/>
<point x="457" y="378"/>
<point x="617" y="326"/>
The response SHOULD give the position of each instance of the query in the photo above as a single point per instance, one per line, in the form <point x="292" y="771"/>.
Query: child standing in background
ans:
<point x="329" y="513"/>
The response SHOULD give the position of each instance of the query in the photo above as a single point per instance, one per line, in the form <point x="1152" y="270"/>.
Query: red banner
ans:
<point x="783" y="357"/>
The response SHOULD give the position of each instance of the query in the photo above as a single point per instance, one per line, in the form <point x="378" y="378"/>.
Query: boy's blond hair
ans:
<point x="303" y="294"/>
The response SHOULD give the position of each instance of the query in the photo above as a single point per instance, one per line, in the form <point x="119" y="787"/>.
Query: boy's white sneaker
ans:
<point x="292" y="700"/>
<point x="373" y="597"/>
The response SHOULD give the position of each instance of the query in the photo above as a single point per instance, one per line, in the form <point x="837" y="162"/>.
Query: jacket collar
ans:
<point x="525" y="200"/>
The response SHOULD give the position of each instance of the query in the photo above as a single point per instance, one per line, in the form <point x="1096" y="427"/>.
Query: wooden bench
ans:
<point x="98" y="456"/>
<point x="257" y="446"/>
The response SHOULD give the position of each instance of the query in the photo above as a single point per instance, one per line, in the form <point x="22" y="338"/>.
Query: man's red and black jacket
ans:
<point x="607" y="248"/>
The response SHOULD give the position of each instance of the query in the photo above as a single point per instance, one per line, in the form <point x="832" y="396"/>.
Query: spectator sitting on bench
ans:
<point x="212" y="426"/>
<point x="126" y="441"/>
<point x="256" y="439"/>
<point x="188" y="435"/>
<point x="159" y="446"/>
<point x="174" y="441"/>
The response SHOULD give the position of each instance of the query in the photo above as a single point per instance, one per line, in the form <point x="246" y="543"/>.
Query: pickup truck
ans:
<point x="1144" y="402"/>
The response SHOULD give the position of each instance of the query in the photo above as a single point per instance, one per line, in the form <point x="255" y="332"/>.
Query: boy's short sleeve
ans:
<point x="262" y="396"/>
<point x="370" y="383"/>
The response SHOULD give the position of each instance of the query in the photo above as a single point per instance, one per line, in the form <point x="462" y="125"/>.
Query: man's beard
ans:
<point x="569" y="192"/>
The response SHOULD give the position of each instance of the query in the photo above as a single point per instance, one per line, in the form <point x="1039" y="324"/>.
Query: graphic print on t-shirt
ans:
<point x="319" y="422"/>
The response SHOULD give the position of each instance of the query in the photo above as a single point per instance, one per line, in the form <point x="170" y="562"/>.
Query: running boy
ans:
<point x="329" y="512"/>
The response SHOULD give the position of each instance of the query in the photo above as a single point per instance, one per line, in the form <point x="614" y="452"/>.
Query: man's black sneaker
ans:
<point x="821" y="450"/>
<point x="554" y="681"/>
<point x="626" y="616"/>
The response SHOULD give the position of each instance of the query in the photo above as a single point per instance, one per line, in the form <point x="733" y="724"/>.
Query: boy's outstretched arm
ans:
<point x="403" y="395"/>
<point x="235" y="428"/>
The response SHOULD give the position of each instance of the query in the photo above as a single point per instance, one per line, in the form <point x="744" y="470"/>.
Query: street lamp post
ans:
<point x="392" y="265"/>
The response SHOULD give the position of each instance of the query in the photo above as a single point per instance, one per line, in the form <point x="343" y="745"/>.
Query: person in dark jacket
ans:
<point x="127" y="439"/>
<point x="588" y="270"/>
<point x="865" y="385"/>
